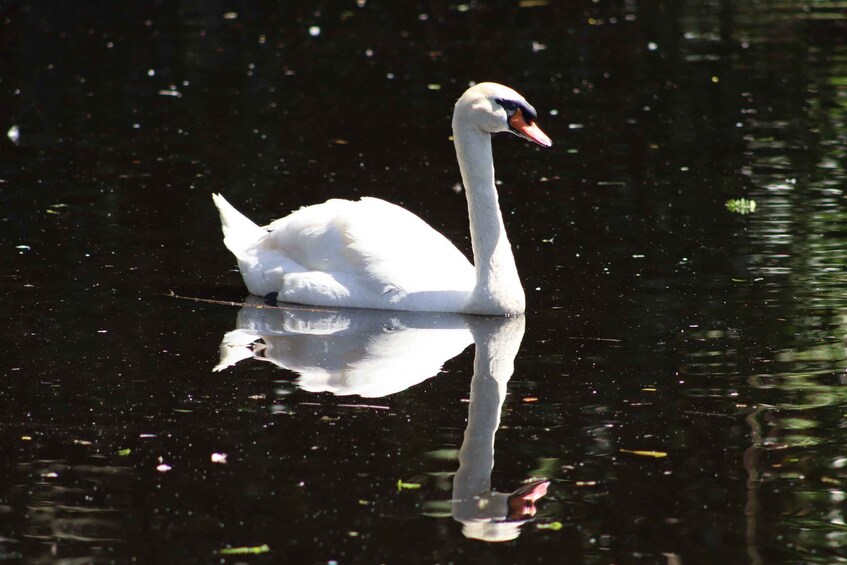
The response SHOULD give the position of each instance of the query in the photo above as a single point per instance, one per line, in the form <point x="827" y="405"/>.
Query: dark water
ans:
<point x="680" y="379"/>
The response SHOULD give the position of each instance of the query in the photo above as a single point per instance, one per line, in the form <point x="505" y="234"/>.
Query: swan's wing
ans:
<point x="371" y="240"/>
<point x="384" y="364"/>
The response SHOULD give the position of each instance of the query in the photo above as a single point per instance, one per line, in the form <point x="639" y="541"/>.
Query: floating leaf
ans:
<point x="798" y="423"/>
<point x="741" y="206"/>
<point x="252" y="550"/>
<point x="656" y="454"/>
<point x="437" y="509"/>
<point x="444" y="454"/>
<point x="555" y="526"/>
<point x="546" y="468"/>
<point x="124" y="452"/>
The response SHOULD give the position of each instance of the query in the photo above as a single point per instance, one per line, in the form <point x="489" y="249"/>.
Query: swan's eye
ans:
<point x="512" y="107"/>
<point x="507" y="105"/>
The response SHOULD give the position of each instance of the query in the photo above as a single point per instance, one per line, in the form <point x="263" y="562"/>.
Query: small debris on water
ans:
<point x="645" y="453"/>
<point x="14" y="134"/>
<point x="251" y="550"/>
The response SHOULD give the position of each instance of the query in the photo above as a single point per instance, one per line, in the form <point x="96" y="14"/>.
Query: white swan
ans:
<point x="372" y="254"/>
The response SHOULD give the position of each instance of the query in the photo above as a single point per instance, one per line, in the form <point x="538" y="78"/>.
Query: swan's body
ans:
<point x="373" y="254"/>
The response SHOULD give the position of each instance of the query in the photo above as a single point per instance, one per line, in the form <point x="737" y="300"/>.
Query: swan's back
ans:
<point x="366" y="253"/>
<point x="369" y="231"/>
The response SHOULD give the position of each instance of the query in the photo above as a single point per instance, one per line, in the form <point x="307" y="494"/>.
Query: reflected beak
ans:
<point x="522" y="501"/>
<point x="529" y="131"/>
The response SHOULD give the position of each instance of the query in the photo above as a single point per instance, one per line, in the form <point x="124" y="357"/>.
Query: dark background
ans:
<point x="727" y="329"/>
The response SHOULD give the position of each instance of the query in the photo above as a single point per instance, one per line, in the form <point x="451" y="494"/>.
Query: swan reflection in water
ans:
<point x="374" y="353"/>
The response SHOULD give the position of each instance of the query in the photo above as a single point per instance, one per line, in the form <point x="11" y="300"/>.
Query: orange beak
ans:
<point x="530" y="131"/>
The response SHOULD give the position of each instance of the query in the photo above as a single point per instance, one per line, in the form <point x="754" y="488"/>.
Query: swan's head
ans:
<point x="495" y="108"/>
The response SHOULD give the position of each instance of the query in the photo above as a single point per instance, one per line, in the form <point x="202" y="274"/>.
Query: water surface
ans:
<point x="677" y="379"/>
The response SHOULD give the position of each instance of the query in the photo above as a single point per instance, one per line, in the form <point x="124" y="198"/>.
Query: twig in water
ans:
<point x="609" y="339"/>
<point x="172" y="294"/>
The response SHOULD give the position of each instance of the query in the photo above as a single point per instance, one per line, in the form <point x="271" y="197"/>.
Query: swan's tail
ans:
<point x="240" y="233"/>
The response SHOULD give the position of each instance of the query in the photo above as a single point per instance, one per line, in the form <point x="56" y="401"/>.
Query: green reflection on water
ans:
<point x="788" y="341"/>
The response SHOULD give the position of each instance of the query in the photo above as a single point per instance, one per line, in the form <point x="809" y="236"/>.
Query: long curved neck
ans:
<point x="498" y="288"/>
